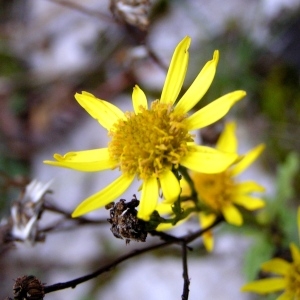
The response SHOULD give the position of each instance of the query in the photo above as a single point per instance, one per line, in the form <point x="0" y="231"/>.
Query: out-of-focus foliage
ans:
<point x="275" y="227"/>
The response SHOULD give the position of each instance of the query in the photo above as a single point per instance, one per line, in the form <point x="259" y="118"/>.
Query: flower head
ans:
<point x="220" y="193"/>
<point x="150" y="142"/>
<point x="287" y="275"/>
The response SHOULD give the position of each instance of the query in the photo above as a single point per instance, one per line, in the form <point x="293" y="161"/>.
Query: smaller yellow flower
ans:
<point x="220" y="192"/>
<point x="288" y="279"/>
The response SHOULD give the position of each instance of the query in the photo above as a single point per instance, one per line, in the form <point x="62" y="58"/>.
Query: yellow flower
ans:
<point x="220" y="192"/>
<point x="149" y="142"/>
<point x="288" y="279"/>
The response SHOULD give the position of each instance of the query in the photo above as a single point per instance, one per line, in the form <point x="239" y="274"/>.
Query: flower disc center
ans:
<point x="293" y="279"/>
<point x="214" y="189"/>
<point x="149" y="142"/>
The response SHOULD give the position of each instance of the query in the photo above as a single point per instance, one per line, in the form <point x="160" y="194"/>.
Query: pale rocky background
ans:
<point x="75" y="253"/>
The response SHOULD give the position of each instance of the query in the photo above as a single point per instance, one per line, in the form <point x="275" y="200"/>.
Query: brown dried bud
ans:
<point x="125" y="224"/>
<point x="28" y="288"/>
<point x="133" y="12"/>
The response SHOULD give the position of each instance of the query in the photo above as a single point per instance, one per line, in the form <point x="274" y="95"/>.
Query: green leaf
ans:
<point x="260" y="252"/>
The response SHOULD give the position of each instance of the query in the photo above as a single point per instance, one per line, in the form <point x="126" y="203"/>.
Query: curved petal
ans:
<point x="248" y="187"/>
<point x="168" y="226"/>
<point x="208" y="160"/>
<point x="227" y="141"/>
<point x="199" y="87"/>
<point x="206" y="220"/>
<point x="105" y="196"/>
<point x="295" y="253"/>
<point x="176" y="72"/>
<point x="170" y="186"/>
<point x="248" y="202"/>
<point x="164" y="208"/>
<point x="298" y="222"/>
<point x="164" y="227"/>
<point x="287" y="295"/>
<point x="185" y="187"/>
<point x="265" y="286"/>
<point x="247" y="160"/>
<point x="104" y="112"/>
<point x="87" y="161"/>
<point x="208" y="239"/>
<point x="276" y="266"/>
<point x="138" y="99"/>
<point x="232" y="215"/>
<point x="213" y="111"/>
<point x="149" y="199"/>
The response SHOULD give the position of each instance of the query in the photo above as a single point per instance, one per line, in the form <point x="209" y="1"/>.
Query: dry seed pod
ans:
<point x="28" y="288"/>
<point x="132" y="12"/>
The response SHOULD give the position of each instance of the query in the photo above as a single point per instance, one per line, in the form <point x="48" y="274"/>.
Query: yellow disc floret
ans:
<point x="293" y="280"/>
<point x="214" y="189"/>
<point x="149" y="142"/>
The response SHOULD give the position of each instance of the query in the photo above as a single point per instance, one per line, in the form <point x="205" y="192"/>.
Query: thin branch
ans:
<point x="156" y="59"/>
<point x="191" y="237"/>
<point x="73" y="283"/>
<point x="168" y="237"/>
<point x="185" y="275"/>
<point x="84" y="10"/>
<point x="81" y="220"/>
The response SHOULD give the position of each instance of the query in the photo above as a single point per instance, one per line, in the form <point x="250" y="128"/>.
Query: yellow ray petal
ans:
<point x="168" y="226"/>
<point x="232" y="215"/>
<point x="176" y="72"/>
<point x="138" y="99"/>
<point x="213" y="111"/>
<point x="265" y="286"/>
<point x="248" y="187"/>
<point x="149" y="199"/>
<point x="287" y="295"/>
<point x="206" y="219"/>
<point x="276" y="266"/>
<point x="247" y="160"/>
<point x="170" y="186"/>
<point x="298" y="222"/>
<point x="87" y="161"/>
<point x="208" y="160"/>
<point x="199" y="87"/>
<point x="164" y="208"/>
<point x="295" y="253"/>
<point x="104" y="112"/>
<point x="227" y="141"/>
<point x="208" y="238"/>
<point x="164" y="227"/>
<point x="248" y="202"/>
<point x="105" y="196"/>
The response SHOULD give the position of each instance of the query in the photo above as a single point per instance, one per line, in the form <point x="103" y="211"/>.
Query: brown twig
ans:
<point x="185" y="275"/>
<point x="185" y="240"/>
<point x="58" y="225"/>
<point x="84" y="10"/>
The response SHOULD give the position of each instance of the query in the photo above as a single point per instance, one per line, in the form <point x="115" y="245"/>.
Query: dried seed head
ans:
<point x="28" y="288"/>
<point x="125" y="224"/>
<point x="26" y="212"/>
<point x="133" y="12"/>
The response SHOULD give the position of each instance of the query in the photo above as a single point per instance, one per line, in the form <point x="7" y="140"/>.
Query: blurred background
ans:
<point x="51" y="49"/>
